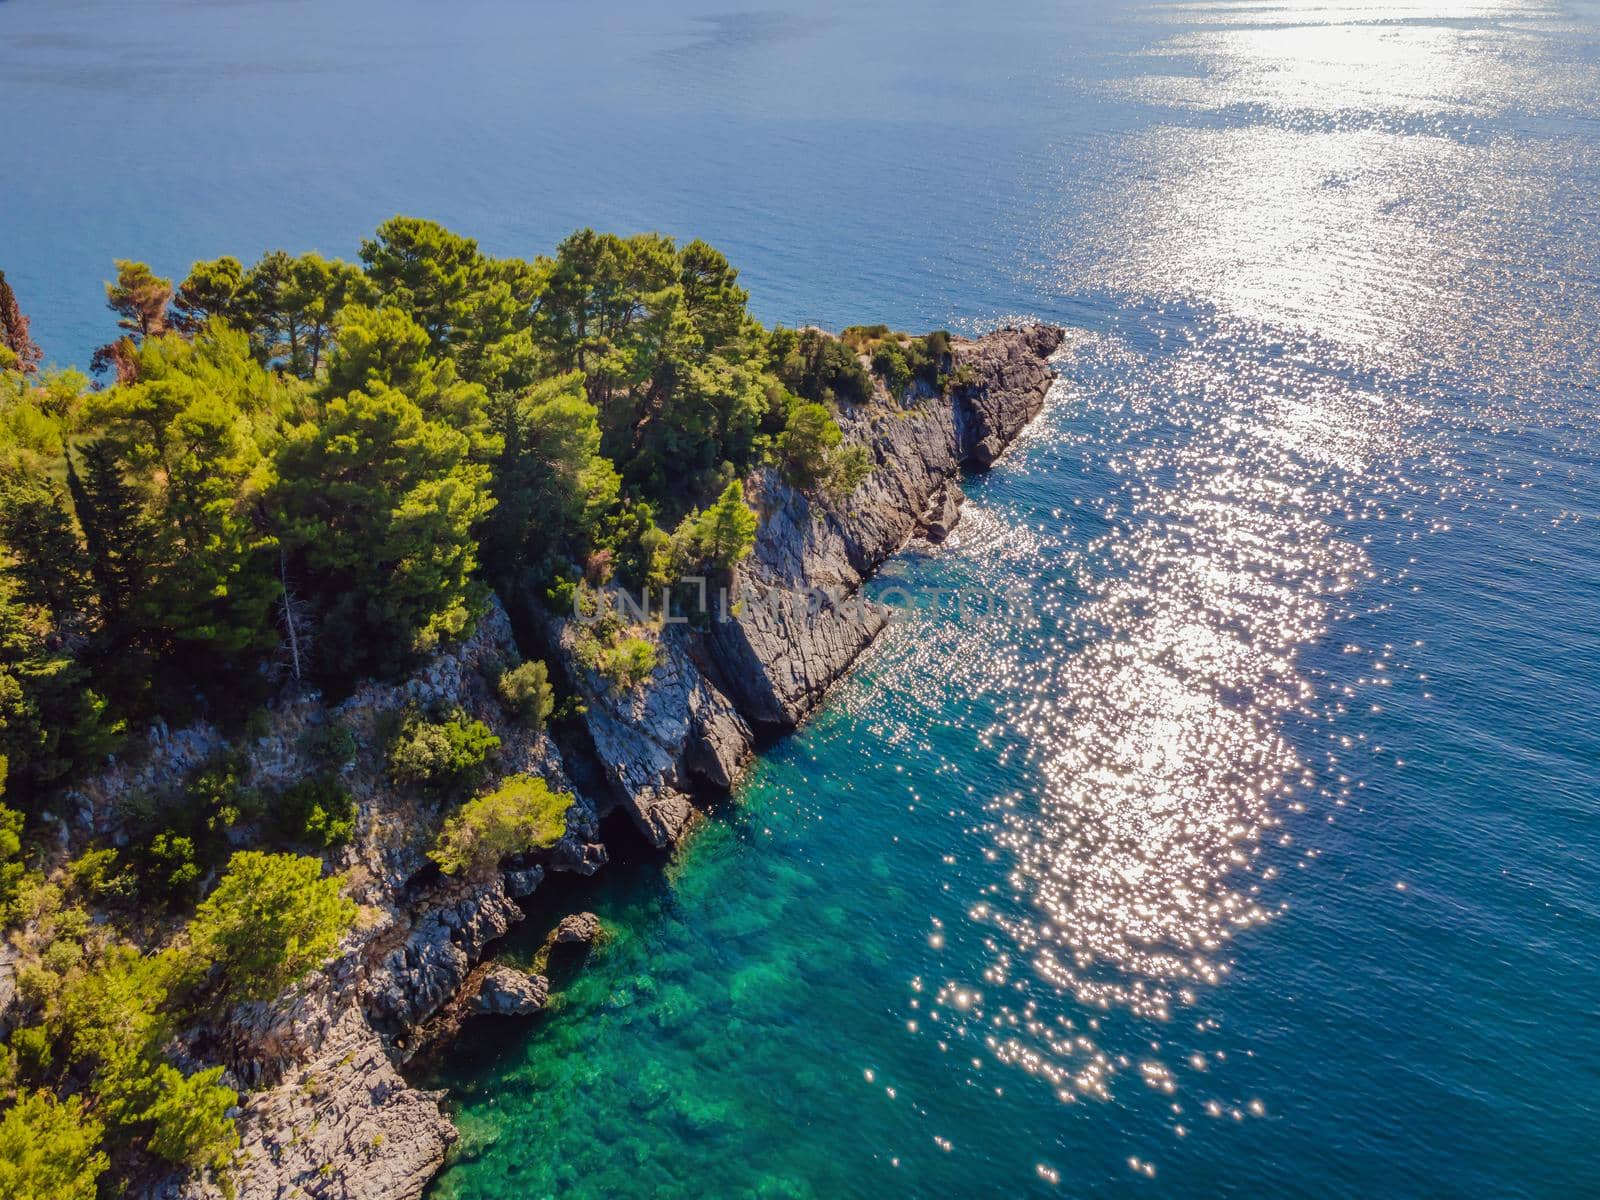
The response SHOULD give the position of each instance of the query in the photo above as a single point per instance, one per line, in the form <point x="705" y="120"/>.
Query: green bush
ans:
<point x="630" y="662"/>
<point x="522" y="814"/>
<point x="863" y="338"/>
<point x="331" y="744"/>
<point x="623" y="662"/>
<point x="848" y="467"/>
<point x="170" y="870"/>
<point x="318" y="810"/>
<point x="441" y="753"/>
<point x="192" y="1125"/>
<point x="12" y="866"/>
<point x="889" y="361"/>
<point x="560" y="595"/>
<point x="216" y="795"/>
<point x="272" y="919"/>
<point x="526" y="691"/>
<point x="820" y="368"/>
<point x="812" y="455"/>
<point x="49" y="1149"/>
<point x="94" y="874"/>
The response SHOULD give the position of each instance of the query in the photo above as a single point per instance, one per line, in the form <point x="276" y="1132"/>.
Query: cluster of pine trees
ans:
<point x="305" y="472"/>
<point x="311" y="470"/>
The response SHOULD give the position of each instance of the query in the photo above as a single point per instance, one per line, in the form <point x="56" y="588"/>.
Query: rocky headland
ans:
<point x="328" y="1112"/>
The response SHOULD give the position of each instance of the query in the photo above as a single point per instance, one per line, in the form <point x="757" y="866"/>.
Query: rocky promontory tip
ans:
<point x="691" y="727"/>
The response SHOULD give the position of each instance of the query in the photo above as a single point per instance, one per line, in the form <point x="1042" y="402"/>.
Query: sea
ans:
<point x="1256" y="852"/>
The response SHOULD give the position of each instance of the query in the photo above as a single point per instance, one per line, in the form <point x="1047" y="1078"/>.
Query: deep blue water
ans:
<point x="1265" y="860"/>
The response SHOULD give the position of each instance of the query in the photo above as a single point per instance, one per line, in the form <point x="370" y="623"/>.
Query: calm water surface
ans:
<point x="1265" y="860"/>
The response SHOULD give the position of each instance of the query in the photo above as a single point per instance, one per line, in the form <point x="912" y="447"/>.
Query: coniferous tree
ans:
<point x="139" y="297"/>
<point x="211" y="289"/>
<point x="14" y="334"/>
<point x="381" y="504"/>
<point x="48" y="562"/>
<point x="111" y="512"/>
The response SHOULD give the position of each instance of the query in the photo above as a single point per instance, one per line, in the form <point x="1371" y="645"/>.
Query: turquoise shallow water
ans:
<point x="1265" y="859"/>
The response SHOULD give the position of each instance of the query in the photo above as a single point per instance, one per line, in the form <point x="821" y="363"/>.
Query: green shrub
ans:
<point x="318" y="810"/>
<point x="863" y="338"/>
<point x="94" y="874"/>
<point x="811" y="453"/>
<point x="624" y="663"/>
<point x="50" y="1149"/>
<point x="560" y="595"/>
<point x="725" y="533"/>
<point x="272" y="919"/>
<point x="889" y="361"/>
<point x="848" y="467"/>
<point x="32" y="1047"/>
<point x="440" y="753"/>
<point x="522" y="814"/>
<point x="331" y="744"/>
<point x="192" y="1126"/>
<point x="632" y="661"/>
<point x="962" y="377"/>
<point x="526" y="691"/>
<point x="216" y="795"/>
<point x="820" y="368"/>
<point x="12" y="866"/>
<point x="170" y="870"/>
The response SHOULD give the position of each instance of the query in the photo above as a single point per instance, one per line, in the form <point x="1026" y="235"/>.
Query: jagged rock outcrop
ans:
<point x="578" y="928"/>
<point x="343" y="1126"/>
<point x="660" y="743"/>
<point x="767" y="661"/>
<point x="327" y="1112"/>
<point x="507" y="992"/>
<point x="425" y="972"/>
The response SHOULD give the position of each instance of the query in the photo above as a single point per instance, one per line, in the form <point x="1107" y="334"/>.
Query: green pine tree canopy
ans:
<point x="321" y="468"/>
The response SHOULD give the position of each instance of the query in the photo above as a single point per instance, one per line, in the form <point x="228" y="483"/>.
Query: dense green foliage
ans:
<point x="521" y="814"/>
<point x="525" y="690"/>
<point x="49" y="1150"/>
<point x="297" y="473"/>
<point x="812" y="456"/>
<point x="305" y="471"/>
<point x="273" y="918"/>
<point x="445" y="752"/>
<point x="91" y="1070"/>
<point x="318" y="810"/>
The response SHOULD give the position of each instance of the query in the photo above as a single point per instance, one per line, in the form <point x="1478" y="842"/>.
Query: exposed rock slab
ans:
<point x="508" y="992"/>
<point x="581" y="928"/>
<point x="426" y="970"/>
<point x="345" y="1126"/>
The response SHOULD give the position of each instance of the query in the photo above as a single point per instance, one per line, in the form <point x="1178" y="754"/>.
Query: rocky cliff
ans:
<point x="328" y="1113"/>
<point x="765" y="664"/>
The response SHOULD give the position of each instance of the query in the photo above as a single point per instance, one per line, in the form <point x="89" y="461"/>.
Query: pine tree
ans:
<point x="14" y="331"/>
<point x="114" y="527"/>
<point x="726" y="531"/>
<point x="48" y="560"/>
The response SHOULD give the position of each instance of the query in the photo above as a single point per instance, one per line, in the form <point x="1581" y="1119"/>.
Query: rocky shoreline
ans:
<point x="328" y="1113"/>
<point x="767" y="666"/>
